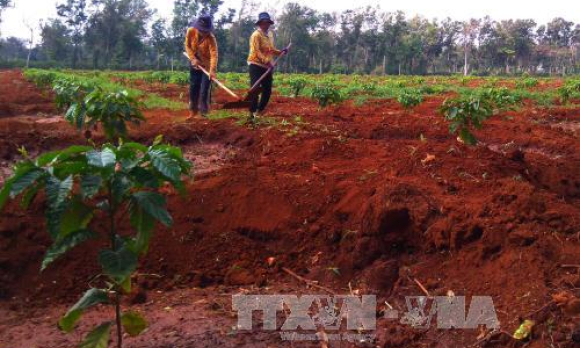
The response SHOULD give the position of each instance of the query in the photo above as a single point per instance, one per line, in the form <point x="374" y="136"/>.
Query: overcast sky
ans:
<point x="540" y="10"/>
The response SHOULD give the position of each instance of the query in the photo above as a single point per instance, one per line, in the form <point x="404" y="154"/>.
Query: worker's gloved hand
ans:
<point x="212" y="75"/>
<point x="194" y="62"/>
<point x="285" y="50"/>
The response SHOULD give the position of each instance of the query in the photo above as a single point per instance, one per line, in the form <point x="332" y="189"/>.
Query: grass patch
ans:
<point x="154" y="101"/>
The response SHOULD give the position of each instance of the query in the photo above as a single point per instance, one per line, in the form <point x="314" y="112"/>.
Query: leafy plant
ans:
<point x="570" y="90"/>
<point x="111" y="109"/>
<point x="326" y="95"/>
<point x="297" y="84"/>
<point x="500" y="97"/>
<point x="369" y="87"/>
<point x="69" y="91"/>
<point x="83" y="184"/>
<point x="40" y="78"/>
<point x="527" y="82"/>
<point x="409" y="98"/>
<point x="466" y="113"/>
<point x="180" y="79"/>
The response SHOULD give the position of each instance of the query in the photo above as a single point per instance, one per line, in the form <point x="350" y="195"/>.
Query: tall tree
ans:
<point x="56" y="40"/>
<point x="74" y="13"/>
<point x="116" y="30"/>
<point x="295" y="24"/>
<point x="159" y="38"/>
<point x="468" y="36"/>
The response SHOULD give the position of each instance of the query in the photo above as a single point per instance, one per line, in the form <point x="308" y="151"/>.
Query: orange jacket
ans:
<point x="262" y="50"/>
<point x="203" y="49"/>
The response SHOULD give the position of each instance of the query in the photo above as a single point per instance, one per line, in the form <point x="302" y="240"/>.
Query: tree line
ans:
<point x="128" y="34"/>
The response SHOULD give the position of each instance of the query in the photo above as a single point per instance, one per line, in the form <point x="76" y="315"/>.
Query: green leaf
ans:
<point x="91" y="298"/>
<point x="46" y="158"/>
<point x="165" y="164"/>
<point x="120" y="186"/>
<point x="126" y="285"/>
<point x="135" y="146"/>
<point x="133" y="323"/>
<point x="29" y="196"/>
<point x="20" y="170"/>
<point x="5" y="192"/>
<point x="98" y="338"/>
<point x="144" y="224"/>
<point x="65" y="244"/>
<point x="118" y="264"/>
<point x="25" y="181"/>
<point x="76" y="217"/>
<point x="144" y="177"/>
<point x="153" y="204"/>
<point x="57" y="193"/>
<point x="72" y="151"/>
<point x="158" y="140"/>
<point x="102" y="159"/>
<point x="90" y="185"/>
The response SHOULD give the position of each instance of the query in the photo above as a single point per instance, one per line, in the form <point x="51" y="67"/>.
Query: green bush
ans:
<point x="527" y="83"/>
<point x="570" y="90"/>
<point x="326" y="95"/>
<point x="501" y="97"/>
<point x="465" y="114"/>
<point x="70" y="90"/>
<point x="409" y="98"/>
<point x="297" y="84"/>
<point x="111" y="109"/>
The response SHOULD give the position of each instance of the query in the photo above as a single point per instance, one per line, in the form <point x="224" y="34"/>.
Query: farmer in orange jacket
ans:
<point x="262" y="53"/>
<point x="201" y="48"/>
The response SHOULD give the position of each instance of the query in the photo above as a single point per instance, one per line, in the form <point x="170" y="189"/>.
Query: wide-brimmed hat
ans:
<point x="204" y="24"/>
<point x="264" y="17"/>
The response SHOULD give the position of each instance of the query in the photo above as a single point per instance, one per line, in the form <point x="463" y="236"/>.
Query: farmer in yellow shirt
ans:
<point x="262" y="53"/>
<point x="201" y="48"/>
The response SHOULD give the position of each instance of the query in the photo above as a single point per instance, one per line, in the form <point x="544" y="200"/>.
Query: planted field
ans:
<point x="394" y="186"/>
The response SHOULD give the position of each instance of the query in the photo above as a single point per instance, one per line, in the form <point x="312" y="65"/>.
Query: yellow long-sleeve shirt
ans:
<point x="203" y="49"/>
<point x="262" y="50"/>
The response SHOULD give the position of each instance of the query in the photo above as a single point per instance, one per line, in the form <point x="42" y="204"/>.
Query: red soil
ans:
<point x="347" y="188"/>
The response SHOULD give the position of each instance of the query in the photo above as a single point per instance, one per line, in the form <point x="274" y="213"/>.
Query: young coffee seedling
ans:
<point x="466" y="113"/>
<point x="500" y="97"/>
<point x="297" y="84"/>
<point x="111" y="109"/>
<point x="83" y="184"/>
<point x="70" y="91"/>
<point x="570" y="90"/>
<point x="409" y="98"/>
<point x="326" y="95"/>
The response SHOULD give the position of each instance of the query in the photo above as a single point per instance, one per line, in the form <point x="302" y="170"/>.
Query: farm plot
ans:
<point x="359" y="182"/>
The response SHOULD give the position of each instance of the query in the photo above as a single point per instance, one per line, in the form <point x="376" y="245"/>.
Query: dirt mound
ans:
<point x="20" y="97"/>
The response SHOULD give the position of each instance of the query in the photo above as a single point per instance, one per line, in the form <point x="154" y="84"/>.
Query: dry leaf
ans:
<point x="428" y="159"/>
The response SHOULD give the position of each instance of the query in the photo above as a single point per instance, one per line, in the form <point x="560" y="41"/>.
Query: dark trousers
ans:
<point x="259" y="103"/>
<point x="199" y="91"/>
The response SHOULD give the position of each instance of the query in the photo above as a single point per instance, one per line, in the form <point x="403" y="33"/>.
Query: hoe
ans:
<point x="217" y="82"/>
